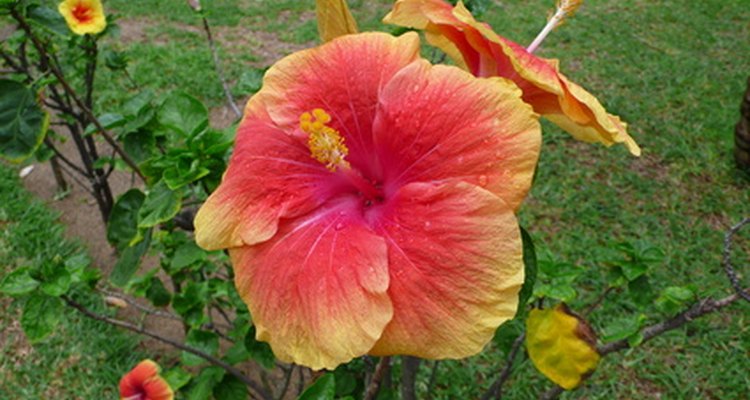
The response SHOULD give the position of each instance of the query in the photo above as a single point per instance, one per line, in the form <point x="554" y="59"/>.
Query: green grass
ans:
<point x="83" y="359"/>
<point x="674" y="70"/>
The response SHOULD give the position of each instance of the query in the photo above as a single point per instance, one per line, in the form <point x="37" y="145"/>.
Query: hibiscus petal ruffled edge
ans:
<point x="317" y="290"/>
<point x="456" y="267"/>
<point x="470" y="43"/>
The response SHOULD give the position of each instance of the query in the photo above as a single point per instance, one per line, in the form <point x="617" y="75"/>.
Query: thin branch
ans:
<point x="433" y="379"/>
<point x="377" y="377"/>
<point x="76" y="179"/>
<point x="64" y="159"/>
<point x="727" y="258"/>
<point x="213" y="360"/>
<point x="703" y="307"/>
<point x="593" y="306"/>
<point x="219" y="69"/>
<point x="70" y="92"/>
<point x="409" y="369"/>
<point x="147" y="310"/>
<point x="497" y="386"/>
<point x="287" y="380"/>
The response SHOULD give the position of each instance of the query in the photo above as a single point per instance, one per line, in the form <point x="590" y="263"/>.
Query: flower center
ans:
<point x="325" y="143"/>
<point x="82" y="13"/>
<point x="327" y="146"/>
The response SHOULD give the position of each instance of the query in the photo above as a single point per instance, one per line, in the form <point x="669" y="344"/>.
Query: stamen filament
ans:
<point x="565" y="9"/>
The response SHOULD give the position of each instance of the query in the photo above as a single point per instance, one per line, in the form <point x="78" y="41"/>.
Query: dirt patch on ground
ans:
<point x="134" y="30"/>
<point x="266" y="47"/>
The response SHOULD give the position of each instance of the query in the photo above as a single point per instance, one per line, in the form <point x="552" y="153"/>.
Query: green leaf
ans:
<point x="237" y="353"/>
<point x="57" y="279"/>
<point x="507" y="333"/>
<point x="259" y="351"/>
<point x="18" y="282"/>
<point x="129" y="261"/>
<point x="161" y="205"/>
<point x="179" y="175"/>
<point x="624" y="328"/>
<point x="633" y="270"/>
<point x="122" y="226"/>
<point x="158" y="294"/>
<point x="140" y="145"/>
<point x="673" y="299"/>
<point x="346" y="382"/>
<point x="195" y="294"/>
<point x="115" y="60"/>
<point x="230" y="388"/>
<point x="324" y="388"/>
<point x="185" y="255"/>
<point x="184" y="114"/>
<point x="138" y="103"/>
<point x="177" y="378"/>
<point x="205" y="382"/>
<point x="108" y="121"/>
<point x="41" y="314"/>
<point x="530" y="271"/>
<point x="207" y="342"/>
<point x="23" y="124"/>
<point x="49" y="19"/>
<point x="640" y="291"/>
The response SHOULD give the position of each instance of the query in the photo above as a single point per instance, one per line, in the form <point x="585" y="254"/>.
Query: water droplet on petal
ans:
<point x="482" y="180"/>
<point x="339" y="226"/>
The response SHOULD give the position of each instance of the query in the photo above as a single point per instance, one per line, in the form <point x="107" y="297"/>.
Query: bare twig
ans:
<point x="140" y="307"/>
<point x="727" y="258"/>
<point x="593" y="306"/>
<point x="433" y="379"/>
<point x="497" y="386"/>
<point x="73" y="95"/>
<point x="409" y="369"/>
<point x="219" y="69"/>
<point x="64" y="159"/>
<point x="377" y="378"/>
<point x="287" y="380"/>
<point x="703" y="307"/>
<point x="211" y="359"/>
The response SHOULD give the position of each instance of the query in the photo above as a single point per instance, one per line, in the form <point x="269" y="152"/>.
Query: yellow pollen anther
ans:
<point x="325" y="143"/>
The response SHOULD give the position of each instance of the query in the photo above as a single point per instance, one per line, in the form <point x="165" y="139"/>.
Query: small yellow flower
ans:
<point x="83" y="16"/>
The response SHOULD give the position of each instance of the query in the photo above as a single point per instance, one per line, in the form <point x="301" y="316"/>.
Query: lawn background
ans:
<point x="674" y="70"/>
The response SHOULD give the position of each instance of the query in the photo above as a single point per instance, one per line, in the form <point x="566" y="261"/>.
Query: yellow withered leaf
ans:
<point x="561" y="345"/>
<point x="334" y="19"/>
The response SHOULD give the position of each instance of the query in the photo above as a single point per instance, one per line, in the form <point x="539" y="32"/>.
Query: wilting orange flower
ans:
<point x="144" y="383"/>
<point x="369" y="203"/>
<point x="83" y="16"/>
<point x="477" y="48"/>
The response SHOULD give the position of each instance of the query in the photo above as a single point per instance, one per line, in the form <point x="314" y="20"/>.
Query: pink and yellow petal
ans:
<point x="144" y="383"/>
<point x="484" y="53"/>
<point x="83" y="16"/>
<point x="271" y="176"/>
<point x="343" y="77"/>
<point x="317" y="289"/>
<point x="456" y="268"/>
<point x="438" y="122"/>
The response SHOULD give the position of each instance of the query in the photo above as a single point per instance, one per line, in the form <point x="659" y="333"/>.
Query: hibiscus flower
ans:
<point x="83" y="16"/>
<point x="477" y="48"/>
<point x="144" y="383"/>
<point x="368" y="207"/>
